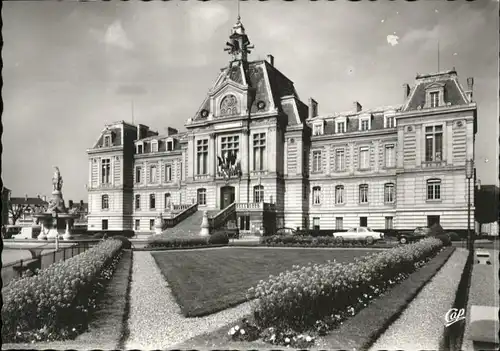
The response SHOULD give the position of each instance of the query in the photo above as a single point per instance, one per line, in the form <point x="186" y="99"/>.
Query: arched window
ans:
<point x="389" y="193"/>
<point x="105" y="202"/>
<point x="434" y="189"/>
<point x="167" y="200"/>
<point x="258" y="193"/>
<point x="316" y="195"/>
<point x="202" y="196"/>
<point x="363" y="193"/>
<point x="229" y="106"/>
<point x="137" y="202"/>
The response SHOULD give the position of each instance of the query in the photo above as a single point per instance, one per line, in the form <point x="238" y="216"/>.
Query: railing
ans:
<point x="260" y="206"/>
<point x="182" y="207"/>
<point x="179" y="217"/>
<point x="15" y="269"/>
<point x="221" y="218"/>
<point x="433" y="164"/>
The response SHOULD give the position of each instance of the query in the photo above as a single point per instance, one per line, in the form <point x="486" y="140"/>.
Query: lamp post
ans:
<point x="469" y="173"/>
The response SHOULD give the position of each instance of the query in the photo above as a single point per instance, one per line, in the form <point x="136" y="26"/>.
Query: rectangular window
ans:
<point x="107" y="141"/>
<point x="390" y="122"/>
<point x="202" y="196"/>
<point x="363" y="193"/>
<point x="316" y="195"/>
<point x="315" y="223"/>
<point x="433" y="143"/>
<point x="168" y="173"/>
<point x="167" y="200"/>
<point x="433" y="190"/>
<point x="104" y="224"/>
<point x="139" y="149"/>
<point x="202" y="156"/>
<point x="339" y="160"/>
<point x="389" y="193"/>
<point x="152" y="174"/>
<point x="244" y="222"/>
<point x="317" y="161"/>
<point x="152" y="201"/>
<point x="339" y="223"/>
<point x="138" y="171"/>
<point x="389" y="223"/>
<point x="181" y="172"/>
<point x="105" y="170"/>
<point x="259" y="148"/>
<point x="390" y="153"/>
<point x="154" y="147"/>
<point x="169" y="145"/>
<point x="365" y="124"/>
<point x="364" y="158"/>
<point x="434" y="99"/>
<point x="105" y="202"/>
<point x="340" y="127"/>
<point x="137" y="224"/>
<point x="137" y="202"/>
<point x="339" y="194"/>
<point x="151" y="224"/>
<point x="258" y="194"/>
<point x="317" y="129"/>
<point x="363" y="221"/>
<point x="230" y="145"/>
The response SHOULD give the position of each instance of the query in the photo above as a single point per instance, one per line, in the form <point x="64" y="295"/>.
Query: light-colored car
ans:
<point x="359" y="233"/>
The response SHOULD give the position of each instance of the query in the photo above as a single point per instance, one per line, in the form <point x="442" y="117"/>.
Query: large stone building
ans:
<point x="391" y="167"/>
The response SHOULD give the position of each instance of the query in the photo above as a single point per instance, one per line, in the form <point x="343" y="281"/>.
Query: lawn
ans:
<point x="207" y="281"/>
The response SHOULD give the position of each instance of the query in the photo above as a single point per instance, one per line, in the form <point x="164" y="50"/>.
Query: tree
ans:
<point x="16" y="211"/>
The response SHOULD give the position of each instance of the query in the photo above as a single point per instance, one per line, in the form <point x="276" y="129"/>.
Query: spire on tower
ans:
<point x="238" y="45"/>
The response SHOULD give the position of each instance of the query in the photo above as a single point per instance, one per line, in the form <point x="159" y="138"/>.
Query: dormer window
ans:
<point x="107" y="140"/>
<point x="434" y="95"/>
<point x="140" y="148"/>
<point x="340" y="125"/>
<point x="364" y="123"/>
<point x="154" y="146"/>
<point x="170" y="145"/>
<point x="318" y="129"/>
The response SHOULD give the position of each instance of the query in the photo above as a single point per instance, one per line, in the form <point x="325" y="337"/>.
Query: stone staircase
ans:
<point x="189" y="226"/>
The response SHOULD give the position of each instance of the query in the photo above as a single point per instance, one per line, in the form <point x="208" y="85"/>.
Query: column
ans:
<point x="300" y="157"/>
<point x="448" y="143"/>
<point x="399" y="154"/>
<point x="112" y="169"/>
<point x="351" y="157"/>
<point x="271" y="153"/>
<point x="327" y="155"/>
<point x="376" y="147"/>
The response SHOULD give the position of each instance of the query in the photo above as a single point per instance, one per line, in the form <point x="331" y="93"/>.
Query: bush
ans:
<point x="55" y="304"/>
<point x="445" y="239"/>
<point x="218" y="238"/>
<point x="301" y="298"/>
<point x="454" y="236"/>
<point x="309" y="241"/>
<point x="126" y="243"/>
<point x="98" y="235"/>
<point x="436" y="230"/>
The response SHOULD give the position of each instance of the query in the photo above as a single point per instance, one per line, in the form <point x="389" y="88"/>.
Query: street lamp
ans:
<point x="469" y="173"/>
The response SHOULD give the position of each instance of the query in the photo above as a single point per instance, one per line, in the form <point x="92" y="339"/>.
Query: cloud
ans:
<point x="205" y="20"/>
<point x="116" y="36"/>
<point x="392" y="39"/>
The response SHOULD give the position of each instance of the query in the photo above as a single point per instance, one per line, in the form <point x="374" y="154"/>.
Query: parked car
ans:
<point x="286" y="231"/>
<point x="359" y="233"/>
<point x="415" y="235"/>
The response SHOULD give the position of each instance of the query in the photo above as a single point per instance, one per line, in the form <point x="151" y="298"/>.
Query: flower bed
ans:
<point x="311" y="241"/>
<point x="187" y="242"/>
<point x="56" y="304"/>
<point x="316" y="298"/>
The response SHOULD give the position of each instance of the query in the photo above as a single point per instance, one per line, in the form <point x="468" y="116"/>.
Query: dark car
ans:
<point x="412" y="236"/>
<point x="11" y="230"/>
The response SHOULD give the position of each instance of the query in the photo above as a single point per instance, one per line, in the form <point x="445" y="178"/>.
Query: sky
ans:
<point x="69" y="68"/>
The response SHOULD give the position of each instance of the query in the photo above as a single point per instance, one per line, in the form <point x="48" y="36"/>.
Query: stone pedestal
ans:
<point x="205" y="227"/>
<point x="67" y="234"/>
<point x="42" y="235"/>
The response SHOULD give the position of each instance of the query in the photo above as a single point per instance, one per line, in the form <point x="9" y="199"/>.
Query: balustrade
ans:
<point x="187" y="210"/>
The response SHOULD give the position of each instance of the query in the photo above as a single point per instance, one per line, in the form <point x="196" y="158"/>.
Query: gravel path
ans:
<point x="410" y="331"/>
<point x="155" y="320"/>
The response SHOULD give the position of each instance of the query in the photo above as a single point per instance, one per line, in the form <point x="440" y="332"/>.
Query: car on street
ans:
<point x="11" y="230"/>
<point x="412" y="236"/>
<point x="359" y="233"/>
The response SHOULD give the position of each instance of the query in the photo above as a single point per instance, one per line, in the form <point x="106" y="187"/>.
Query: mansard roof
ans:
<point x="448" y="80"/>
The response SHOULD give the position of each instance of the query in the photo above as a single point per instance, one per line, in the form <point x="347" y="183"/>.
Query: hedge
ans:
<point x="55" y="303"/>
<point x="311" y="241"/>
<point x="301" y="298"/>
<point x="193" y="241"/>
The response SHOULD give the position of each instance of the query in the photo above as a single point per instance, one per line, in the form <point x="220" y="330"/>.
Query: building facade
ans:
<point x="255" y="143"/>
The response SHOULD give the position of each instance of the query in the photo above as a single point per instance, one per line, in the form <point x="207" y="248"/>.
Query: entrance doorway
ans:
<point x="227" y="196"/>
<point x="363" y="221"/>
<point x="431" y="220"/>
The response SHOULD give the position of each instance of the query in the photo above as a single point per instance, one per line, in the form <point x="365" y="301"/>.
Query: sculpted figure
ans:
<point x="57" y="180"/>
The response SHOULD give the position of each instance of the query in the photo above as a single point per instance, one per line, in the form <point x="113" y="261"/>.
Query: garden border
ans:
<point x="179" y="247"/>
<point x="365" y="337"/>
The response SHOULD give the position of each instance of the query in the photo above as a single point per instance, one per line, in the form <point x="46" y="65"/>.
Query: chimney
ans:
<point x="406" y="91"/>
<point x="171" y="131"/>
<point x="313" y="108"/>
<point x="26" y="197"/>
<point x="44" y="198"/>
<point x="270" y="59"/>
<point x="357" y="106"/>
<point x="470" y="88"/>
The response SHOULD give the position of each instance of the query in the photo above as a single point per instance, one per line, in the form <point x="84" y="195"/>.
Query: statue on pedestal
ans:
<point x="57" y="180"/>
